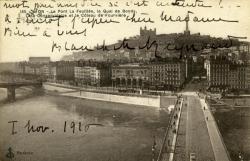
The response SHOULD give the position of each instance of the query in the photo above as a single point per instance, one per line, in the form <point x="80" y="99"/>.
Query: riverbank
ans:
<point x="156" y="102"/>
<point x="134" y="99"/>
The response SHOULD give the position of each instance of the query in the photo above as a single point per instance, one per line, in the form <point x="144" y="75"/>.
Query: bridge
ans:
<point x="11" y="87"/>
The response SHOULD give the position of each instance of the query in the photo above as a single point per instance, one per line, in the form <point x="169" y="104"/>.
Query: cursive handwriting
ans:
<point x="68" y="47"/>
<point x="85" y="3"/>
<point x="135" y="19"/>
<point x="141" y="3"/>
<point x="67" y="126"/>
<point x="152" y="45"/>
<point x="13" y="131"/>
<point x="22" y="4"/>
<point x="67" y="5"/>
<point x="42" y="5"/>
<point x="166" y="18"/>
<point x="197" y="3"/>
<point x="78" y="126"/>
<point x="17" y="32"/>
<point x="162" y="4"/>
<point x="36" y="129"/>
<point x="30" y="19"/>
<point x="93" y="21"/>
<point x="71" y="32"/>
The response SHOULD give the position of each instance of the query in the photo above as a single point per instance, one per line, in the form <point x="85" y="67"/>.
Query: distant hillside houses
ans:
<point x="168" y="45"/>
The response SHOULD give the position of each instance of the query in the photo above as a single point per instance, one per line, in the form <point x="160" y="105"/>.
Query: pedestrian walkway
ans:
<point x="172" y="148"/>
<point x="219" y="148"/>
<point x="170" y="135"/>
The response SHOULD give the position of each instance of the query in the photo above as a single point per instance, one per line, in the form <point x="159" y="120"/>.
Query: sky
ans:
<point x="20" y="48"/>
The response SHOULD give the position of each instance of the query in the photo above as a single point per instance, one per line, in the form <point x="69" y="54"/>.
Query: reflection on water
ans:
<point x="127" y="133"/>
<point x="21" y="93"/>
<point x="3" y="94"/>
<point x="234" y="125"/>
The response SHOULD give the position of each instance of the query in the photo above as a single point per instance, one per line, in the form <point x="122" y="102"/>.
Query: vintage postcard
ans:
<point x="124" y="80"/>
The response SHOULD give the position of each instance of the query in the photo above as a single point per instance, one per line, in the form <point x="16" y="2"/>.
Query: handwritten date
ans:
<point x="68" y="127"/>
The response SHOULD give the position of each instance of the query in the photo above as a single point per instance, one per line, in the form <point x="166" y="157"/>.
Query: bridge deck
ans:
<point x="18" y="84"/>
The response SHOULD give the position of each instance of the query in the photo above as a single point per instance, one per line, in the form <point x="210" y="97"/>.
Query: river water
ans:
<point x="234" y="125"/>
<point x="127" y="133"/>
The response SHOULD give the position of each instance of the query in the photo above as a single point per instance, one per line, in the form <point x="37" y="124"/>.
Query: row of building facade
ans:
<point x="225" y="75"/>
<point x="222" y="73"/>
<point x="164" y="75"/>
<point x="167" y="75"/>
<point x="68" y="72"/>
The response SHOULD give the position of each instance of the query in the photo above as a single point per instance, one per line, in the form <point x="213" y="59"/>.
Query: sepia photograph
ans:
<point x="124" y="80"/>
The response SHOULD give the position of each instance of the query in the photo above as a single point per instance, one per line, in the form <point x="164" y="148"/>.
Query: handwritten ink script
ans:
<point x="67" y="127"/>
<point x="65" y="27"/>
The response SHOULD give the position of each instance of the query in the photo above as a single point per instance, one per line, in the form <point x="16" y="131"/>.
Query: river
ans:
<point x="234" y="125"/>
<point x="127" y="133"/>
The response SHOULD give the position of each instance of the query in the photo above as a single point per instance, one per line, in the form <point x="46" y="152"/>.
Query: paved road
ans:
<point x="196" y="134"/>
<point x="197" y="138"/>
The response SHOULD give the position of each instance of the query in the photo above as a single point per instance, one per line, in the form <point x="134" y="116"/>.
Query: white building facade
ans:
<point x="87" y="75"/>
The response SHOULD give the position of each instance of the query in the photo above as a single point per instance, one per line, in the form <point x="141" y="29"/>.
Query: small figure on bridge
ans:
<point x="153" y="149"/>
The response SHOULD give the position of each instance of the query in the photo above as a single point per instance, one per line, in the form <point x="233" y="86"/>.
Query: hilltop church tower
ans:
<point x="145" y="33"/>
